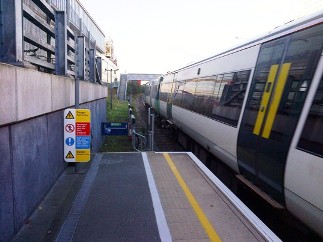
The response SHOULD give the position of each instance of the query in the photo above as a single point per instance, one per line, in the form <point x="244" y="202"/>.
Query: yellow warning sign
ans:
<point x="69" y="155"/>
<point x="77" y="135"/>
<point x="83" y="155"/>
<point x="69" y="115"/>
<point x="83" y="115"/>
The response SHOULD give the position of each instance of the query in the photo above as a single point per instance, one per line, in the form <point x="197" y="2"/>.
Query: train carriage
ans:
<point x="259" y="108"/>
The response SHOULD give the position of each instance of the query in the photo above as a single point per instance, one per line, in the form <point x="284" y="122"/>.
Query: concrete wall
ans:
<point x="27" y="93"/>
<point x="31" y="137"/>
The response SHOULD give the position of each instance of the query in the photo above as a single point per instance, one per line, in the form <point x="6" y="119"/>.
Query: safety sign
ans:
<point x="83" y="142"/>
<point x="69" y="128"/>
<point x="77" y="135"/>
<point x="69" y="141"/>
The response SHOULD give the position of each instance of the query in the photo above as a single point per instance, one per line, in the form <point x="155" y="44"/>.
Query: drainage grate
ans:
<point x="68" y="229"/>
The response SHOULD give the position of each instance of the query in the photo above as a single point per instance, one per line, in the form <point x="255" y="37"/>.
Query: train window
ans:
<point x="303" y="52"/>
<point x="229" y="94"/>
<point x="165" y="90"/>
<point x="218" y="97"/>
<point x="154" y="91"/>
<point x="218" y="87"/>
<point x="178" y="94"/>
<point x="226" y="85"/>
<point x="147" y="90"/>
<point x="205" y="86"/>
<point x="240" y="82"/>
<point x="312" y="135"/>
<point x="162" y="92"/>
<point x="286" y="67"/>
<point x="203" y="94"/>
<point x="188" y="94"/>
<point x="270" y="54"/>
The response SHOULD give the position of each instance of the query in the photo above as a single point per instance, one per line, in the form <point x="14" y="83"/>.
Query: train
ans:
<point x="258" y="107"/>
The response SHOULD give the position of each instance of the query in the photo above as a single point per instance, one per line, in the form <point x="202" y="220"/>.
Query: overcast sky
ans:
<point x="156" y="36"/>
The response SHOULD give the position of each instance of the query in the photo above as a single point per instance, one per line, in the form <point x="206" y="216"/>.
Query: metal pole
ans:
<point x="148" y="118"/>
<point x="152" y="131"/>
<point x="80" y="67"/>
<point x="77" y="105"/>
<point x="77" y="93"/>
<point x="111" y="87"/>
<point x="133" y="138"/>
<point x="149" y="128"/>
<point x="60" y="43"/>
<point x="12" y="44"/>
<point x="107" y="79"/>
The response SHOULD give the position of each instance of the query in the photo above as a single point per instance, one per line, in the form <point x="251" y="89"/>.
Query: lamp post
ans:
<point x="111" y="86"/>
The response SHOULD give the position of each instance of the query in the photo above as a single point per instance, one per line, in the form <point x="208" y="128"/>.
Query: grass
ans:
<point x="118" y="113"/>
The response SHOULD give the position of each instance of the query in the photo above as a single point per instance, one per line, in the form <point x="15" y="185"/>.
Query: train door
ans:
<point x="157" y="103"/>
<point x="282" y="78"/>
<point x="170" y="97"/>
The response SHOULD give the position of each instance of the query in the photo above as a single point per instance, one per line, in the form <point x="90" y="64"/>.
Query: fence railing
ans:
<point x="44" y="33"/>
<point x="139" y="141"/>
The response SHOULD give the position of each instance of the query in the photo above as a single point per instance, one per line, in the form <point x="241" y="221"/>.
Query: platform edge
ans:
<point x="162" y="225"/>
<point x="249" y="215"/>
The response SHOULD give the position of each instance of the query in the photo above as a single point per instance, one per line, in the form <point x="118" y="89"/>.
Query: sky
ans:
<point x="157" y="36"/>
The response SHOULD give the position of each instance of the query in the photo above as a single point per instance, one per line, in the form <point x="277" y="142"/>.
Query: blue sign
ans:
<point x="83" y="142"/>
<point x="114" y="128"/>
<point x="69" y="141"/>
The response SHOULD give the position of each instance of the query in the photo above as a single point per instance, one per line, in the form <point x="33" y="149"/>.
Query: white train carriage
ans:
<point x="259" y="108"/>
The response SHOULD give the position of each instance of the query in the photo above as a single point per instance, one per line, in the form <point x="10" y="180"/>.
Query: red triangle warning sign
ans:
<point x="69" y="155"/>
<point x="69" y="115"/>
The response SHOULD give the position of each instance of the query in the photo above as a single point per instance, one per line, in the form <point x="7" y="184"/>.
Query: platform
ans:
<point x="155" y="197"/>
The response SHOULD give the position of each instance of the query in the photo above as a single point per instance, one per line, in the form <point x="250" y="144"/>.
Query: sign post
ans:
<point x="77" y="135"/>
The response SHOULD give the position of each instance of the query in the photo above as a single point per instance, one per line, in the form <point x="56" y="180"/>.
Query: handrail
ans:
<point x="139" y="141"/>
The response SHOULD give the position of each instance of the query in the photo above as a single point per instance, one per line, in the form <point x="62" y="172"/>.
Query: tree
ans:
<point x="134" y="87"/>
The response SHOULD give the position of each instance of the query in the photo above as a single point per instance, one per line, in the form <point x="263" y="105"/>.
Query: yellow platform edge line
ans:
<point x="213" y="236"/>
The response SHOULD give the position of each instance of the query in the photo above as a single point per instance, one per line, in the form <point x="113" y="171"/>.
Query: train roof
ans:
<point x="292" y="26"/>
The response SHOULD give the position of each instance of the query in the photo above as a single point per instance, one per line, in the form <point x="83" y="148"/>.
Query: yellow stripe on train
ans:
<point x="265" y="98"/>
<point x="276" y="99"/>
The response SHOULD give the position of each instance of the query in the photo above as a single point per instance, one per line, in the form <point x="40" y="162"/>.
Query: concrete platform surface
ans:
<point x="143" y="197"/>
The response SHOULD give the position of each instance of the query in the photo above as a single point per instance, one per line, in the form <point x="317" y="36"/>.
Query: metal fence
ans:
<point x="47" y="33"/>
<point x="139" y="141"/>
